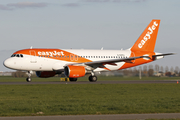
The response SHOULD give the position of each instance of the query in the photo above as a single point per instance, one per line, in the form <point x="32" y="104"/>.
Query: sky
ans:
<point x="87" y="24"/>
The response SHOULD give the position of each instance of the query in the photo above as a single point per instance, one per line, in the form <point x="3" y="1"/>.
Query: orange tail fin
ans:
<point x="147" y="40"/>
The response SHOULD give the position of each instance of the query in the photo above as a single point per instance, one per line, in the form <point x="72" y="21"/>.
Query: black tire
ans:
<point x="73" y="79"/>
<point x="28" y="79"/>
<point x="92" y="78"/>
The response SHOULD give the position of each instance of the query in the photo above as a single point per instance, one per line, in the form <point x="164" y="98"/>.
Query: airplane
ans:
<point x="75" y="63"/>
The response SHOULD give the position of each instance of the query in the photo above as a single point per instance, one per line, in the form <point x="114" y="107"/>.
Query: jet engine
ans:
<point x="45" y="74"/>
<point x="72" y="71"/>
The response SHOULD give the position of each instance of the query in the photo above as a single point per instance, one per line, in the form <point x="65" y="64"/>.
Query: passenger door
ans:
<point x="33" y="56"/>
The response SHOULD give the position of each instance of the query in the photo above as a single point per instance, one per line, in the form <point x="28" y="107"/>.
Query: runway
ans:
<point x="99" y="117"/>
<point x="98" y="82"/>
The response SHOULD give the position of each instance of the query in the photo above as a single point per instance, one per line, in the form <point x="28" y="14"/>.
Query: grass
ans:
<point x="80" y="99"/>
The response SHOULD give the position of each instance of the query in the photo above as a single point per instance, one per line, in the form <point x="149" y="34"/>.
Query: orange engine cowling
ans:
<point x="74" y="71"/>
<point x="45" y="74"/>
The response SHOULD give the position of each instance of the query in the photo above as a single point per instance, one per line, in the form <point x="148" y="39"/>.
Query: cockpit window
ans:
<point x="13" y="55"/>
<point x="17" y="55"/>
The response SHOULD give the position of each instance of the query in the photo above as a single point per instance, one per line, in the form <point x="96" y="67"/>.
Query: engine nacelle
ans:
<point x="45" y="74"/>
<point x="74" y="71"/>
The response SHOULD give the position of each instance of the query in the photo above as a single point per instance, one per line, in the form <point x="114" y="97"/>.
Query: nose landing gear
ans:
<point x="28" y="79"/>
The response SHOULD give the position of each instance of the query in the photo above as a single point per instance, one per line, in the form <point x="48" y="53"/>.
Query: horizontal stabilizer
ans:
<point x="163" y="54"/>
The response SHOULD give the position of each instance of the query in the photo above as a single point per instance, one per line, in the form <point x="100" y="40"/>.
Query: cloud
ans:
<point x="113" y="1"/>
<point x="71" y="4"/>
<point x="128" y="0"/>
<point x="27" y="4"/>
<point x="97" y="0"/>
<point x="3" y="7"/>
<point x="12" y="6"/>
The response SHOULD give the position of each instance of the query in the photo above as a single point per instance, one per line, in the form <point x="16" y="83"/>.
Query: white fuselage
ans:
<point x="46" y="63"/>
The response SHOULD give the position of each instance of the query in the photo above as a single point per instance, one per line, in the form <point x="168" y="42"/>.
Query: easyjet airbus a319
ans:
<point x="78" y="63"/>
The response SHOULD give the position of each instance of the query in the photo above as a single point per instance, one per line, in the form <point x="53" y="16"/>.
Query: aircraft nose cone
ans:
<point x="8" y="63"/>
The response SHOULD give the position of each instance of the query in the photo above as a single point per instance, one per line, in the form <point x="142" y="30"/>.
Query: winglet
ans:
<point x="147" y="40"/>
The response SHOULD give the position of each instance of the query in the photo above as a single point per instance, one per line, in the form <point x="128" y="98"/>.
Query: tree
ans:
<point x="126" y="72"/>
<point x="150" y="66"/>
<point x="145" y="72"/>
<point x="157" y="68"/>
<point x="166" y="69"/>
<point x="176" y="70"/>
<point x="151" y="70"/>
<point x="19" y="74"/>
<point x="135" y="72"/>
<point x="162" y="69"/>
<point x="172" y="69"/>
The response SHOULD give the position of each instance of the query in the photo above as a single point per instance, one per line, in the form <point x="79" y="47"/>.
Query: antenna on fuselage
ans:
<point x="102" y="48"/>
<point x="31" y="47"/>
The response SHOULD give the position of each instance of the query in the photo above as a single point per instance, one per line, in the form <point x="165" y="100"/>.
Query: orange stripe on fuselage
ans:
<point x="138" y="61"/>
<point x="56" y="54"/>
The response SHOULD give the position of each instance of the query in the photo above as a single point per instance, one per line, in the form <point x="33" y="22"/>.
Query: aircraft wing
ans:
<point x="101" y="63"/>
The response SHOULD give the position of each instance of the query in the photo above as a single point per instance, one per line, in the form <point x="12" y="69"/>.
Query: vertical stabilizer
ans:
<point x="147" y="40"/>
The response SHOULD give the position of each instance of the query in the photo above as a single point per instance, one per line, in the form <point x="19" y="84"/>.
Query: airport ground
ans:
<point x="84" y="98"/>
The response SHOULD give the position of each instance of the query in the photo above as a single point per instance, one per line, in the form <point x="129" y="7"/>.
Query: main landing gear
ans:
<point x="28" y="79"/>
<point x="92" y="78"/>
<point x="73" y="79"/>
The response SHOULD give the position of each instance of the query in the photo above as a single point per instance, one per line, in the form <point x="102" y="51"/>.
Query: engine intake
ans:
<point x="74" y="71"/>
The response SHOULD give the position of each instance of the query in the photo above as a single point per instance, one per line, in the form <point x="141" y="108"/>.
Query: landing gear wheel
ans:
<point x="92" y="78"/>
<point x="73" y="79"/>
<point x="28" y="79"/>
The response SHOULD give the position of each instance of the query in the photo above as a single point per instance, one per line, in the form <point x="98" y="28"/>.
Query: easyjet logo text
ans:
<point x="50" y="53"/>
<point x="148" y="35"/>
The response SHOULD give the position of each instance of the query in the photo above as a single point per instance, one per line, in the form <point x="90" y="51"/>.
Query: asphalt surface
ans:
<point x="98" y="82"/>
<point x="99" y="117"/>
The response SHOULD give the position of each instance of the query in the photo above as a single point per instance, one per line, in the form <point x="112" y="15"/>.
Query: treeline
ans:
<point x="146" y="70"/>
<point x="21" y="74"/>
<point x="152" y="71"/>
